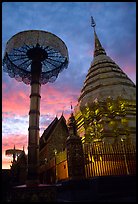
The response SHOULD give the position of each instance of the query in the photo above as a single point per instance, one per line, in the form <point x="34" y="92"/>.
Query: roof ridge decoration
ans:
<point x="98" y="50"/>
<point x="61" y="118"/>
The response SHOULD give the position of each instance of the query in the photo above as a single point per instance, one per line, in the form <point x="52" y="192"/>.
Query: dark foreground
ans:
<point x="100" y="189"/>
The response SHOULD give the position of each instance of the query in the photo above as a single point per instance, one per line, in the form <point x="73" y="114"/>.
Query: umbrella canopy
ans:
<point x="35" y="45"/>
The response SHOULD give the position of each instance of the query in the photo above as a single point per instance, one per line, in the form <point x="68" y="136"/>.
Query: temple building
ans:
<point x="106" y="108"/>
<point x="52" y="156"/>
<point x="52" y="152"/>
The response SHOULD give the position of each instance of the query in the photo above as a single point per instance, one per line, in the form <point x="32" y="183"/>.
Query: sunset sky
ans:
<point x="70" y="21"/>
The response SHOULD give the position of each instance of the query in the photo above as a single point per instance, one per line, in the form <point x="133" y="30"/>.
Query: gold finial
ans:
<point x="98" y="47"/>
<point x="93" y="24"/>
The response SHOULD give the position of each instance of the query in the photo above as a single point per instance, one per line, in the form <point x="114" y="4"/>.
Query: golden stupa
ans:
<point x="106" y="108"/>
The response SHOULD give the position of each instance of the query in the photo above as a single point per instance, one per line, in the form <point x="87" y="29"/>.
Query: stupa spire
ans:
<point x="98" y="50"/>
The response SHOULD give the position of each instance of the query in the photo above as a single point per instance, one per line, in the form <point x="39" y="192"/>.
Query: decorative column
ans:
<point x="75" y="157"/>
<point x="34" y="114"/>
<point x="35" y="57"/>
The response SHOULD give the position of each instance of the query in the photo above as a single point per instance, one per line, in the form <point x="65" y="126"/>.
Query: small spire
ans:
<point x="71" y="107"/>
<point x="99" y="50"/>
<point x="72" y="126"/>
<point x="62" y="113"/>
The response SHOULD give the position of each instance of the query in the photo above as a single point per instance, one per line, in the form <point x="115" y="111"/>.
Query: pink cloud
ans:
<point x="19" y="103"/>
<point x="56" y="101"/>
<point x="53" y="102"/>
<point x="14" y="100"/>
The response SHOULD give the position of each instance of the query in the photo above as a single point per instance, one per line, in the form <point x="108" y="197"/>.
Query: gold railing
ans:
<point x="109" y="159"/>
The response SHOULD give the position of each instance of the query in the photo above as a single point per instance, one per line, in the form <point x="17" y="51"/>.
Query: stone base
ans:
<point x="40" y="193"/>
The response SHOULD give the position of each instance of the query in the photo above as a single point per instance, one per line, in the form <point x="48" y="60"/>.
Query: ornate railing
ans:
<point x="109" y="159"/>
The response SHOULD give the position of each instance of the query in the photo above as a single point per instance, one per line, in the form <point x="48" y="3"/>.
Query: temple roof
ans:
<point x="105" y="78"/>
<point x="50" y="129"/>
